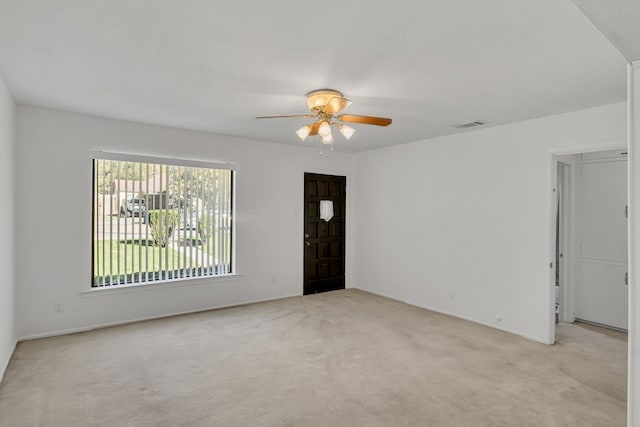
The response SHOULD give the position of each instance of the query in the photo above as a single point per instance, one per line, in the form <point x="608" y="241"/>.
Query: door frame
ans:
<point x="347" y="224"/>
<point x="567" y="246"/>
<point x="552" y="206"/>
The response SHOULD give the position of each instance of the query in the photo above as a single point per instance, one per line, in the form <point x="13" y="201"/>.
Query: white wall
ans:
<point x="461" y="223"/>
<point x="53" y="196"/>
<point x="633" y="395"/>
<point x="7" y="282"/>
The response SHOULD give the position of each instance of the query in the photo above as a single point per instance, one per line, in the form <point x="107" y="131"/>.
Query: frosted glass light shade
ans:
<point x="303" y="132"/>
<point x="327" y="139"/>
<point x="346" y="131"/>
<point x="324" y="130"/>
<point x="326" y="210"/>
<point x="320" y="98"/>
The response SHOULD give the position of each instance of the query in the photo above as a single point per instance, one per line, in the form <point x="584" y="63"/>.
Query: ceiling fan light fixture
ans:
<point x="303" y="132"/>
<point x="324" y="130"/>
<point x="346" y="131"/>
<point x="326" y="106"/>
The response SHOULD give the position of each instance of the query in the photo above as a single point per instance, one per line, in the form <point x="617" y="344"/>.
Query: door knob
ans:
<point x="308" y="243"/>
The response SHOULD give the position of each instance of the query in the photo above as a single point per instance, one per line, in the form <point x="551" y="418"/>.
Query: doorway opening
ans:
<point x="591" y="260"/>
<point x="588" y="280"/>
<point x="562" y="233"/>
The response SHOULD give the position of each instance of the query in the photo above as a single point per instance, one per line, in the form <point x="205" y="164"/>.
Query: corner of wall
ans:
<point x="7" y="249"/>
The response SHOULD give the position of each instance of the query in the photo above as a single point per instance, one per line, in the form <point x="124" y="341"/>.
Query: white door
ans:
<point x="602" y="291"/>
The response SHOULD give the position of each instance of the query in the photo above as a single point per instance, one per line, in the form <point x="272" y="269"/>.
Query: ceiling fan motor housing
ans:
<point x="318" y="99"/>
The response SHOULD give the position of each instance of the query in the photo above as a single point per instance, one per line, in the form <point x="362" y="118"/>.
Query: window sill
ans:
<point x="159" y="284"/>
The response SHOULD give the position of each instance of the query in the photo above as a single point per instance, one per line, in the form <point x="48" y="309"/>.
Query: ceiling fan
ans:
<point x="325" y="104"/>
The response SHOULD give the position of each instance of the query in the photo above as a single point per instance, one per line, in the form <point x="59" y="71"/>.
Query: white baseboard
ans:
<point x="4" y="364"/>
<point x="142" y="319"/>
<point x="440" y="311"/>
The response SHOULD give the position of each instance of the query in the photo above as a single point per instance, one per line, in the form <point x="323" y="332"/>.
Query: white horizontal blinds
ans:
<point x="158" y="222"/>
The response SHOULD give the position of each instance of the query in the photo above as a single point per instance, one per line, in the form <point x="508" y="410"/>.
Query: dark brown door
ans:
<point x="324" y="258"/>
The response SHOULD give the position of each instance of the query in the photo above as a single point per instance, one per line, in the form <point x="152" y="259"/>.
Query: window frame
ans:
<point x="165" y="161"/>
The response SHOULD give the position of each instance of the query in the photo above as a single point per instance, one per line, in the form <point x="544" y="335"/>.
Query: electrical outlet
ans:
<point x="57" y="307"/>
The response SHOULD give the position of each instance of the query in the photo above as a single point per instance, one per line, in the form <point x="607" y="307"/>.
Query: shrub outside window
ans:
<point x="159" y="219"/>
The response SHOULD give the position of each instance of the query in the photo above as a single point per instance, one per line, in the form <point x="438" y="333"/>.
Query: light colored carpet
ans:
<point x="345" y="358"/>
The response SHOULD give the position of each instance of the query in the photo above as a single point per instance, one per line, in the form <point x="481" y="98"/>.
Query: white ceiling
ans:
<point x="215" y="65"/>
<point x="619" y="20"/>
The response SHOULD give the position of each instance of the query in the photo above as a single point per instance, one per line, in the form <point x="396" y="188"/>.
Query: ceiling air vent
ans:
<point x="470" y="124"/>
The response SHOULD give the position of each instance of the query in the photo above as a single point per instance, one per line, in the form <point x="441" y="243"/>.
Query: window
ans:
<point x="159" y="219"/>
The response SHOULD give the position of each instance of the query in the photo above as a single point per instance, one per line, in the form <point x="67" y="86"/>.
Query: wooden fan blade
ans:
<point x="336" y="104"/>
<point x="314" y="129"/>
<point x="285" y="117"/>
<point x="365" y="120"/>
